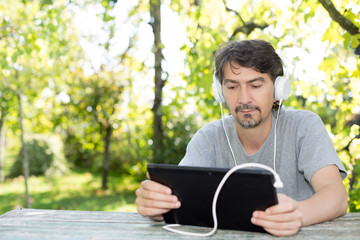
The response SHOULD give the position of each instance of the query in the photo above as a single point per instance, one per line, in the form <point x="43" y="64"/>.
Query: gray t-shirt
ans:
<point x="303" y="147"/>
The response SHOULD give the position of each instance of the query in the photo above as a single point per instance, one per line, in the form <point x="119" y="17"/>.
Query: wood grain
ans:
<point x="64" y="224"/>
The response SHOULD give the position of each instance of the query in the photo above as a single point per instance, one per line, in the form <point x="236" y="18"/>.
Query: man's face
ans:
<point x="248" y="94"/>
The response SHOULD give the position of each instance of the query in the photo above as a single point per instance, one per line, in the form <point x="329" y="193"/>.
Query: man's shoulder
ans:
<point x="299" y="115"/>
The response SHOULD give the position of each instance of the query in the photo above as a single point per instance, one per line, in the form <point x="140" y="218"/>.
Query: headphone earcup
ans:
<point x="216" y="86"/>
<point x="282" y="88"/>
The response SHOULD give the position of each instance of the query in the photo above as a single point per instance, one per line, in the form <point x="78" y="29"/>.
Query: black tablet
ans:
<point x="245" y="191"/>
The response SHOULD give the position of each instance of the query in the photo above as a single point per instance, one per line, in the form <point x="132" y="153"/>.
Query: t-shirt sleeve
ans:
<point x="315" y="148"/>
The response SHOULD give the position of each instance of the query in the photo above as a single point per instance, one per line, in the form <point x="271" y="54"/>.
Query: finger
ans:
<point x="157" y="218"/>
<point x="292" y="225"/>
<point x="282" y="233"/>
<point x="294" y="216"/>
<point x="153" y="208"/>
<point x="285" y="229"/>
<point x="159" y="202"/>
<point x="154" y="213"/>
<point x="155" y="186"/>
<point x="146" y="194"/>
<point x="155" y="196"/>
<point x="156" y="209"/>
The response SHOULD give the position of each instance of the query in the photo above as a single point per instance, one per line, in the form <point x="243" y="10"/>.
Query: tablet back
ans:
<point x="245" y="191"/>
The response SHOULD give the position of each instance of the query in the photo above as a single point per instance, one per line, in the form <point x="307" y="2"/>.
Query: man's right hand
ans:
<point x="154" y="199"/>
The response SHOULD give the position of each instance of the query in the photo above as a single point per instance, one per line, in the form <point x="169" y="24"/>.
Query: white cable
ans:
<point x="227" y="137"/>
<point x="277" y="184"/>
<point x="276" y="121"/>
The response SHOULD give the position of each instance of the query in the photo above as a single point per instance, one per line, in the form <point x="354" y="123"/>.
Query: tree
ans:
<point x="155" y="22"/>
<point x="101" y="101"/>
<point x="31" y="35"/>
<point x="4" y="108"/>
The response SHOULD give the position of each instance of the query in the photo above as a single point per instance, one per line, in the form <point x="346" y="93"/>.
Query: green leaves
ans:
<point x="41" y="55"/>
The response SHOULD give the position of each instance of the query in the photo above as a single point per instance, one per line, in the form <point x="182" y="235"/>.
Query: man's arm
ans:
<point x="328" y="202"/>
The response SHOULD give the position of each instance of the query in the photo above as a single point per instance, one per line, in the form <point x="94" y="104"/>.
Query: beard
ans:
<point x="248" y="121"/>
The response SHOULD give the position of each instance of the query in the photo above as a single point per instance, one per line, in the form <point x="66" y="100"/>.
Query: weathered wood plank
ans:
<point x="63" y="224"/>
<point x="77" y="216"/>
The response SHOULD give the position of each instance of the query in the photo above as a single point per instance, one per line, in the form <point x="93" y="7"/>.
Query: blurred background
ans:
<point x="92" y="91"/>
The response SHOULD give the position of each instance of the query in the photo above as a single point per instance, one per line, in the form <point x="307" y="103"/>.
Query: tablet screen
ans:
<point x="245" y="191"/>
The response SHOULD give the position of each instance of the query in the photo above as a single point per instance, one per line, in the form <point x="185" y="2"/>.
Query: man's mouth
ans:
<point x="247" y="109"/>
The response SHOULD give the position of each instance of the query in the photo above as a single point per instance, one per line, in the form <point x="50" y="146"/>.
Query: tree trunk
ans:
<point x="2" y="144"/>
<point x="158" y="131"/>
<point x="25" y="152"/>
<point x="106" y="166"/>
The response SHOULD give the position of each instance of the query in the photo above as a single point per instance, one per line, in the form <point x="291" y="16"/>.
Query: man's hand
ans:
<point x="328" y="202"/>
<point x="154" y="199"/>
<point x="283" y="219"/>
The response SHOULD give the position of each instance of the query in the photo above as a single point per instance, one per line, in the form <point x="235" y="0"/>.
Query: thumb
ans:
<point x="282" y="198"/>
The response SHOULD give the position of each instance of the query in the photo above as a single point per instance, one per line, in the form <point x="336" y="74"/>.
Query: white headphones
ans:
<point x="217" y="89"/>
<point x="282" y="87"/>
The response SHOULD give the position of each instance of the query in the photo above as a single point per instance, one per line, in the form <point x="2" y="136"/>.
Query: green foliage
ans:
<point x="179" y="129"/>
<point x="46" y="157"/>
<point x="40" y="159"/>
<point x="77" y="154"/>
<point x="69" y="95"/>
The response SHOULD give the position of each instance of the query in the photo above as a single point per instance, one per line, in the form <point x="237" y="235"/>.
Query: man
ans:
<point x="305" y="156"/>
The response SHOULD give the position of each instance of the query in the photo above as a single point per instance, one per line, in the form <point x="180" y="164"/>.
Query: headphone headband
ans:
<point x="282" y="86"/>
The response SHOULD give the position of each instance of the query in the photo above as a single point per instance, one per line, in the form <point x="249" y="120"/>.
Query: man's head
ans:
<point x="256" y="54"/>
<point x="247" y="71"/>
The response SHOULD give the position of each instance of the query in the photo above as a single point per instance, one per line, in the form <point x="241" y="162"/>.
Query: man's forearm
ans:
<point x="328" y="203"/>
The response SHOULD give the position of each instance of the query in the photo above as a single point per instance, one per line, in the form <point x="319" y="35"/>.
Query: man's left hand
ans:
<point x="283" y="219"/>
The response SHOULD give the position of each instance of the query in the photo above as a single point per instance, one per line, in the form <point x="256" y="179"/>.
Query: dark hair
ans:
<point x="256" y="54"/>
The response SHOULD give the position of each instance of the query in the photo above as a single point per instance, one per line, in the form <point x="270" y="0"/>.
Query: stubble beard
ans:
<point x="248" y="121"/>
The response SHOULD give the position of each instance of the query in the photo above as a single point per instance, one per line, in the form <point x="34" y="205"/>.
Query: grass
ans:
<point x="75" y="191"/>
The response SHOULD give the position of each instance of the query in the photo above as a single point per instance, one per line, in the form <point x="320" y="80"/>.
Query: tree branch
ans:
<point x="247" y="27"/>
<point x="233" y="11"/>
<point x="340" y="19"/>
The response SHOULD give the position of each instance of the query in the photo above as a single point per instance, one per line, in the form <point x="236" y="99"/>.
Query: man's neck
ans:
<point x="252" y="139"/>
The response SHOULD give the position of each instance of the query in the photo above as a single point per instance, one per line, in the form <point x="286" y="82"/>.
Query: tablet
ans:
<point x="245" y="191"/>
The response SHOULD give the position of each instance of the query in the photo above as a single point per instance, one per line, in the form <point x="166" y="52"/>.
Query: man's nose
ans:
<point x="244" y="96"/>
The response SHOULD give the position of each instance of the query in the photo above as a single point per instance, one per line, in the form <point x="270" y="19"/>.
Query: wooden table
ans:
<point x="64" y="224"/>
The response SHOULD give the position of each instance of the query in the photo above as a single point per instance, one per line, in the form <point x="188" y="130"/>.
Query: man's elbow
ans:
<point x="343" y="206"/>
